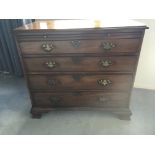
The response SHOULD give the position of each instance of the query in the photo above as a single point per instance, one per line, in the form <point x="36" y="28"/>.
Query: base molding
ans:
<point x="121" y="113"/>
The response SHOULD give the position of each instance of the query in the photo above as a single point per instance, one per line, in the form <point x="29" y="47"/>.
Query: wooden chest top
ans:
<point x="82" y="24"/>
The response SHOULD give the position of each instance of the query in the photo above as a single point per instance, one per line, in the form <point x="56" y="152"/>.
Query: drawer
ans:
<point x="82" y="46"/>
<point x="81" y="99"/>
<point x="80" y="82"/>
<point x="77" y="63"/>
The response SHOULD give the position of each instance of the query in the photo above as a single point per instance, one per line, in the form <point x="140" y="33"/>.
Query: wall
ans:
<point x="145" y="76"/>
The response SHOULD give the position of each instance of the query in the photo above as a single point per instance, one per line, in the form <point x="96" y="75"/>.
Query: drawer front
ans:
<point x="81" y="99"/>
<point x="80" y="82"/>
<point x="76" y="63"/>
<point x="81" y="46"/>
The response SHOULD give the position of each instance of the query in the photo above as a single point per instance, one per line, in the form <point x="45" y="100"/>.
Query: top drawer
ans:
<point x="113" y="46"/>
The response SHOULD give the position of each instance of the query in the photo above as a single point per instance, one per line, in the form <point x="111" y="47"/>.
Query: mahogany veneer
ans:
<point x="80" y="64"/>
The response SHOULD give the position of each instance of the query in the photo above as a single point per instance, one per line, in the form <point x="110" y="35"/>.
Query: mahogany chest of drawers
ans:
<point x="80" y="64"/>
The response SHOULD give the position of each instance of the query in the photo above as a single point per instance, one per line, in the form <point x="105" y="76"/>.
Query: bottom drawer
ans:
<point x="81" y="99"/>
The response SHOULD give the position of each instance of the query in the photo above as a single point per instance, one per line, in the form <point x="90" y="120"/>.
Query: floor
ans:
<point x="15" y="118"/>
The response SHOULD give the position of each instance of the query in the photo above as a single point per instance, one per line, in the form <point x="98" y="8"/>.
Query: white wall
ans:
<point x="145" y="76"/>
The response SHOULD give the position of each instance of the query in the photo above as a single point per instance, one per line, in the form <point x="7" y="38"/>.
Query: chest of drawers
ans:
<point x="80" y="64"/>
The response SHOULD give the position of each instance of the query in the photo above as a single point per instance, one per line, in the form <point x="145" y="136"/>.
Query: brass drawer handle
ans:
<point x="51" y="83"/>
<point x="77" y="77"/>
<point x="104" y="82"/>
<point x="107" y="45"/>
<point x="76" y="43"/>
<point x="104" y="99"/>
<point x="50" y="64"/>
<point x="47" y="47"/>
<point x="54" y="100"/>
<point x="105" y="63"/>
<point x="76" y="59"/>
